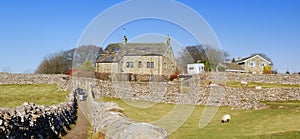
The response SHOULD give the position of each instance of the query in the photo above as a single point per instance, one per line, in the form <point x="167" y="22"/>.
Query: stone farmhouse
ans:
<point x="253" y="64"/>
<point x="149" y="59"/>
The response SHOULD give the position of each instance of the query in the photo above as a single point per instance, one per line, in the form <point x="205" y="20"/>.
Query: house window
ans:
<point x="143" y="49"/>
<point x="191" y="68"/>
<point x="140" y="64"/>
<point x="129" y="64"/>
<point x="150" y="64"/>
<point x="262" y="64"/>
<point x="109" y="59"/>
<point x="251" y="64"/>
<point x="165" y="65"/>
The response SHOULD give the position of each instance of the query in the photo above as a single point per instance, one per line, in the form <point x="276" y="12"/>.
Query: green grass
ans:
<point x="275" y="122"/>
<point x="283" y="105"/>
<point x="264" y="85"/>
<point x="139" y="113"/>
<point x="13" y="95"/>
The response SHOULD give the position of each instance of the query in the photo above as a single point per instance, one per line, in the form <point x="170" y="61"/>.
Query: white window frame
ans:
<point x="262" y="64"/>
<point x="150" y="64"/>
<point x="140" y="64"/>
<point x="251" y="64"/>
<point x="129" y="64"/>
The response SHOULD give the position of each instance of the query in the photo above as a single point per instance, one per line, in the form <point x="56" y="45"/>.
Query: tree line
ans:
<point x="203" y="53"/>
<point x="84" y="58"/>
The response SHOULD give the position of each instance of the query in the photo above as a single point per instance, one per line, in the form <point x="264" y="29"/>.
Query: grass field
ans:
<point x="281" y="120"/>
<point x="13" y="95"/>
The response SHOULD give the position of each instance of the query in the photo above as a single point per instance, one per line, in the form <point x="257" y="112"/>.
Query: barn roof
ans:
<point x="234" y="67"/>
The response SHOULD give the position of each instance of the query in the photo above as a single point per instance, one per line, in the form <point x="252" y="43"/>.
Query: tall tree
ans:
<point x="68" y="58"/>
<point x="233" y="60"/>
<point x="196" y="52"/>
<point x="85" y="52"/>
<point x="203" y="54"/>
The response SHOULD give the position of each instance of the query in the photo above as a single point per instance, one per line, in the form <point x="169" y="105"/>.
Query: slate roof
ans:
<point x="114" y="52"/>
<point x="246" y="58"/>
<point x="141" y="49"/>
<point x="233" y="67"/>
<point x="243" y="59"/>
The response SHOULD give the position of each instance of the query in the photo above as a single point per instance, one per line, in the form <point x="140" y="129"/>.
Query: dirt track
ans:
<point x="80" y="130"/>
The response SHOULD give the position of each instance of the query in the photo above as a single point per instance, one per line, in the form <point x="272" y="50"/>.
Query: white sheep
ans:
<point x="244" y="83"/>
<point x="225" y="118"/>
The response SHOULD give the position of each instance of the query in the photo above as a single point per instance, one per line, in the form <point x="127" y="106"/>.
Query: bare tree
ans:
<point x="6" y="69"/>
<point x="204" y="53"/>
<point x="68" y="58"/>
<point x="196" y="52"/>
<point x="60" y="63"/>
<point x="82" y="53"/>
<point x="183" y="59"/>
<point x="52" y="64"/>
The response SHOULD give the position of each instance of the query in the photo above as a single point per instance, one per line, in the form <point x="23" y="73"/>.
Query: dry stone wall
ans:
<point x="37" y="121"/>
<point x="249" y="98"/>
<point x="179" y="92"/>
<point x="108" y="118"/>
<point x="62" y="81"/>
<point x="264" y="78"/>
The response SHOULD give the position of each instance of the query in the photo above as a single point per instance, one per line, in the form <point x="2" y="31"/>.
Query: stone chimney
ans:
<point x="168" y="40"/>
<point x="239" y="58"/>
<point x="124" y="39"/>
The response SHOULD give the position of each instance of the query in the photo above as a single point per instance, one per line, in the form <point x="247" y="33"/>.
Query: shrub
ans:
<point x="267" y="69"/>
<point x="174" y="76"/>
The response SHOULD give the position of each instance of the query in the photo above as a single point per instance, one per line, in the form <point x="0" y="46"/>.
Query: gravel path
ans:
<point x="80" y="130"/>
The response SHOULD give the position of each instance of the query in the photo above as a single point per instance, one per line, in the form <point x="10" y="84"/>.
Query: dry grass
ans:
<point x="264" y="85"/>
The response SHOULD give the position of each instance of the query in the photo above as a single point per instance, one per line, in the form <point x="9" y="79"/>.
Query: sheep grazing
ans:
<point x="244" y="83"/>
<point x="225" y="118"/>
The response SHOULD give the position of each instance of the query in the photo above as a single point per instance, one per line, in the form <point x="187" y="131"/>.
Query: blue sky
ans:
<point x="31" y="29"/>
